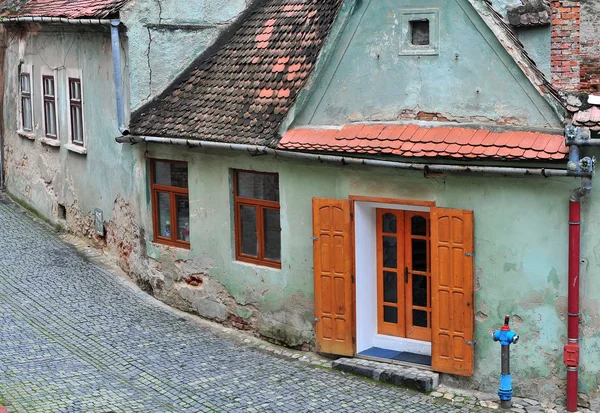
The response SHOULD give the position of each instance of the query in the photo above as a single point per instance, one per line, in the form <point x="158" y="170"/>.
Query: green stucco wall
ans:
<point x="472" y="79"/>
<point x="521" y="227"/>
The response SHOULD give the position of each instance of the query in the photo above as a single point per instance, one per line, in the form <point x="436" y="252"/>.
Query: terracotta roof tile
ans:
<point x="72" y="9"/>
<point x="242" y="92"/>
<point x="589" y="118"/>
<point x="417" y="141"/>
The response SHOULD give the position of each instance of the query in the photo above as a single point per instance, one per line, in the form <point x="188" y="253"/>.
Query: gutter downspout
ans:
<point x="116" y="51"/>
<point x="263" y="150"/>
<point x="571" y="349"/>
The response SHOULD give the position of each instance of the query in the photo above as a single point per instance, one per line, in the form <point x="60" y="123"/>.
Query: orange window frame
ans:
<point x="173" y="192"/>
<point x="261" y="206"/>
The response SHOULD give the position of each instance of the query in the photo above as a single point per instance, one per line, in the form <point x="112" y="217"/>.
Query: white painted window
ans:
<point x="420" y="34"/>
<point x="26" y="99"/>
<point x="76" y="105"/>
<point x="49" y="103"/>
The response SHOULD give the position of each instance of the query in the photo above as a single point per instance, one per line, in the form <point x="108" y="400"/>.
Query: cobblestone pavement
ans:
<point x="76" y="338"/>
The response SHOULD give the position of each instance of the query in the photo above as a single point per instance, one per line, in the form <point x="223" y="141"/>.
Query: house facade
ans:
<point x="362" y="178"/>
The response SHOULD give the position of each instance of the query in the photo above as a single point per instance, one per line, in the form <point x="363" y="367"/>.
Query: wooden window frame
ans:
<point x="25" y="95"/>
<point x="77" y="103"/>
<point x="260" y="206"/>
<point x="173" y="191"/>
<point x="50" y="99"/>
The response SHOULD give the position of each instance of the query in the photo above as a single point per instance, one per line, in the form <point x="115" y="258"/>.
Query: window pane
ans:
<point x="390" y="253"/>
<point x="258" y="186"/>
<point x="248" y="230"/>
<point x="272" y="234"/>
<point x="76" y="124"/>
<point x="50" y="112"/>
<point x="419" y="290"/>
<point x="390" y="314"/>
<point x="25" y="83"/>
<point x="389" y="223"/>
<point x="419" y="255"/>
<point x="419" y="225"/>
<point x="27" y="116"/>
<point x="420" y="318"/>
<point x="48" y="86"/>
<point x="390" y="287"/>
<point x="420" y="32"/>
<point x="182" y="204"/>
<point x="171" y="174"/>
<point x="75" y="90"/>
<point x="164" y="215"/>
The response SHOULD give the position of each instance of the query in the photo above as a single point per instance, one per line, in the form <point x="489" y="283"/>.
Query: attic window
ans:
<point x="419" y="30"/>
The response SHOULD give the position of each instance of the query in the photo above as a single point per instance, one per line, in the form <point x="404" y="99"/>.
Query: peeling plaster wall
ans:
<point x="472" y="79"/>
<point x="521" y="227"/>
<point x="44" y="176"/>
<point x="165" y="36"/>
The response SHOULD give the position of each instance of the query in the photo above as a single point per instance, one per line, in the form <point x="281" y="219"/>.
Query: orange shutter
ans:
<point x="452" y="291"/>
<point x="333" y="276"/>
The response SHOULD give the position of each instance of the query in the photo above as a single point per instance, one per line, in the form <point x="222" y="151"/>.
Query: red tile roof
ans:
<point x="242" y="92"/>
<point x="418" y="141"/>
<point x="589" y="118"/>
<point x="72" y="9"/>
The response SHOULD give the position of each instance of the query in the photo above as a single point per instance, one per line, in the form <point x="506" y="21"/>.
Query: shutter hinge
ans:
<point x="315" y="238"/>
<point x="352" y="216"/>
<point x="318" y="346"/>
<point x="353" y="340"/>
<point x="471" y="343"/>
<point x="469" y="254"/>
<point x="316" y="320"/>
<point x="352" y="278"/>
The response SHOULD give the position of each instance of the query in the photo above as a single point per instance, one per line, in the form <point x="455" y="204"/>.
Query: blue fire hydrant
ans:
<point x="506" y="337"/>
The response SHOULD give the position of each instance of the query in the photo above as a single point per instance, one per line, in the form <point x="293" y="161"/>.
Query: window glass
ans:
<point x="49" y="106"/>
<point x="420" y="318"/>
<point x="419" y="225"/>
<point x="25" y="83"/>
<point x="419" y="255"/>
<point x="389" y="223"/>
<point x="419" y="32"/>
<point x="390" y="252"/>
<point x="272" y="234"/>
<point x="76" y="124"/>
<point x="183" y="217"/>
<point x="258" y="186"/>
<point x="171" y="174"/>
<point x="390" y="287"/>
<point x="164" y="215"/>
<point x="249" y="234"/>
<point x="390" y="314"/>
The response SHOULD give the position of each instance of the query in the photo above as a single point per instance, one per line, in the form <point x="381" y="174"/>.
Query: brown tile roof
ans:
<point x="418" y="141"/>
<point x="72" y="9"/>
<point x="243" y="91"/>
<point x="589" y="118"/>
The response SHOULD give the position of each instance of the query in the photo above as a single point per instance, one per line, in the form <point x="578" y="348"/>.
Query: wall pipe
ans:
<point x="262" y="150"/>
<point x="114" y="25"/>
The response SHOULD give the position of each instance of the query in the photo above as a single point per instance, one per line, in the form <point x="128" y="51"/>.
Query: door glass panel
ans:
<point x="272" y="234"/>
<point x="419" y="226"/>
<point x="164" y="215"/>
<point x="390" y="252"/>
<point x="390" y="314"/>
<point x="419" y="290"/>
<point x="249" y="235"/>
<point x="419" y="255"/>
<point x="389" y="223"/>
<point x="390" y="287"/>
<point x="420" y="318"/>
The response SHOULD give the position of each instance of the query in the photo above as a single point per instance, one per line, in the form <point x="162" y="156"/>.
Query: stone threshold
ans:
<point x="414" y="378"/>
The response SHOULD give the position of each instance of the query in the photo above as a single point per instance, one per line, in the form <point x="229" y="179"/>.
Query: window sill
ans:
<point x="26" y="134"/>
<point x="259" y="263"/>
<point x="76" y="148"/>
<point x="161" y="243"/>
<point x="50" y="142"/>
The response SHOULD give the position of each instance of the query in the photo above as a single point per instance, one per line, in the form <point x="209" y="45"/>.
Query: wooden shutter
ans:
<point x="452" y="291"/>
<point x="333" y="276"/>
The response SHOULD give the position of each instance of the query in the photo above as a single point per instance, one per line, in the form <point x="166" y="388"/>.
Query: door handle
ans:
<point x="406" y="275"/>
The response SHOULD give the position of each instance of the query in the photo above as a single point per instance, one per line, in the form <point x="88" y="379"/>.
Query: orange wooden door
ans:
<point x="452" y="250"/>
<point x="333" y="265"/>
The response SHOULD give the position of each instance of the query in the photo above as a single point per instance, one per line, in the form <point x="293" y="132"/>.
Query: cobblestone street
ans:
<point x="76" y="338"/>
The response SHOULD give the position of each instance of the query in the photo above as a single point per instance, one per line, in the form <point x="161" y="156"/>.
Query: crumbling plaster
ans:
<point x="165" y="36"/>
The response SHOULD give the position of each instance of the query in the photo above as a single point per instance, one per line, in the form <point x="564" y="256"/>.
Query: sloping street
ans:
<point x="76" y="338"/>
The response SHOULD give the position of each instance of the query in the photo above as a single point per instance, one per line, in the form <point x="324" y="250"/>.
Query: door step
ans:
<point x="414" y="378"/>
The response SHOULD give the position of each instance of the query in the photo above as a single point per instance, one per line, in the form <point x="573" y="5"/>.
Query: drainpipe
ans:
<point x="116" y="52"/>
<point x="571" y="350"/>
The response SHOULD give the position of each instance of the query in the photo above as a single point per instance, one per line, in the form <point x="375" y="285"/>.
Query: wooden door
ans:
<point x="333" y="265"/>
<point x="452" y="250"/>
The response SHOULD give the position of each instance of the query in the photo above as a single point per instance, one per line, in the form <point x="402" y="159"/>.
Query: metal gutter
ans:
<point x="114" y="25"/>
<point x="440" y="168"/>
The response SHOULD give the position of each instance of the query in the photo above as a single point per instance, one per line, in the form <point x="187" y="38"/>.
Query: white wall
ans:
<point x="365" y="231"/>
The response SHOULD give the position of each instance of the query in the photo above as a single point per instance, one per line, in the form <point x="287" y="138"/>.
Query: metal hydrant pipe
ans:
<point x="506" y="337"/>
<point x="571" y="350"/>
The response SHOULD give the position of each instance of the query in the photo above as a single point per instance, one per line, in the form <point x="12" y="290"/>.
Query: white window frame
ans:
<point x="28" y="69"/>
<point x="72" y="146"/>
<point x="49" y="72"/>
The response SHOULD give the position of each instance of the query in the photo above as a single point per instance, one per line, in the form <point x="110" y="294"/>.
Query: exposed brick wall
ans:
<point x="590" y="74"/>
<point x="590" y="46"/>
<point x="565" y="45"/>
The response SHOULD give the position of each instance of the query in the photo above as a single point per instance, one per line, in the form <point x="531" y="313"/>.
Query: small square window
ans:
<point x="419" y="30"/>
